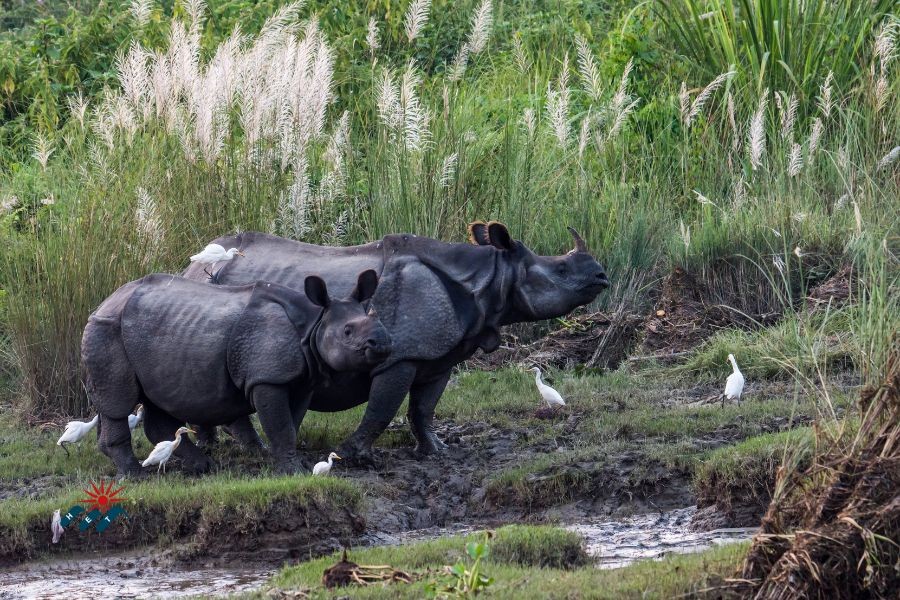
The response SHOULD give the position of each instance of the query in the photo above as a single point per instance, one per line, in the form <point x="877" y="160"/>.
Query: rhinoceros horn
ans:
<point x="580" y="246"/>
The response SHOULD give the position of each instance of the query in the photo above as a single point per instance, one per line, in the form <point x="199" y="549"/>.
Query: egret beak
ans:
<point x="192" y="431"/>
<point x="239" y="253"/>
<point x="337" y="457"/>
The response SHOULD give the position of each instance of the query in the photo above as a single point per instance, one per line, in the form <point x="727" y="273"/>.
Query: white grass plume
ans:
<point x="795" y="160"/>
<point x="448" y="170"/>
<point x="41" y="150"/>
<point x="890" y="158"/>
<point x="529" y="120"/>
<point x="481" y="27"/>
<point x="587" y="68"/>
<point x="140" y="11"/>
<point x="558" y="105"/>
<point x="756" y="136"/>
<point x="416" y="18"/>
<point x="476" y="42"/>
<point x="372" y="40"/>
<point x="584" y="136"/>
<point x="149" y="224"/>
<point x="704" y="96"/>
<point x="520" y="54"/>
<point x="685" y="232"/>
<point x="78" y="106"/>
<point x="815" y="136"/>
<point x="787" y="108"/>
<point x="732" y="121"/>
<point x="460" y="61"/>
<point x="824" y="100"/>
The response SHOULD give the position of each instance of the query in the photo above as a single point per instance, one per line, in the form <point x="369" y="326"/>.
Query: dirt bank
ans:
<point x="287" y="528"/>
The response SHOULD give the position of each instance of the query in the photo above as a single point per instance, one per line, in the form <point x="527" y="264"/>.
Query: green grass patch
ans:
<point x="172" y="508"/>
<point x="518" y="561"/>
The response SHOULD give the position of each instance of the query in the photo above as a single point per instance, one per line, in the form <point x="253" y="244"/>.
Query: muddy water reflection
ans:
<point x="614" y="544"/>
<point x="123" y="577"/>
<point x="619" y="543"/>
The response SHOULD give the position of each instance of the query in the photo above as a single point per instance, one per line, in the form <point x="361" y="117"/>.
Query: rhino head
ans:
<point x="350" y="337"/>
<point x="545" y="286"/>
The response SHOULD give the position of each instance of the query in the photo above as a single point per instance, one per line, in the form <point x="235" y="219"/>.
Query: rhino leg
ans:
<point x="113" y="389"/>
<point x="207" y="435"/>
<point x="388" y="390"/>
<point x="245" y="433"/>
<point x="114" y="440"/>
<point x="272" y="404"/>
<point x="159" y="426"/>
<point x="423" y="398"/>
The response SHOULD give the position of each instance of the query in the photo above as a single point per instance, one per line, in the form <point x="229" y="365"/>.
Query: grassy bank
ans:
<point x="517" y="561"/>
<point x="212" y="517"/>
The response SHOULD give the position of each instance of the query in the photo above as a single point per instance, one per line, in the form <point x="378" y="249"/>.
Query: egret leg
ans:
<point x="63" y="444"/>
<point x="423" y="399"/>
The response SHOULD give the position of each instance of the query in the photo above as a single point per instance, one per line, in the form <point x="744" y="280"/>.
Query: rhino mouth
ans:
<point x="376" y="353"/>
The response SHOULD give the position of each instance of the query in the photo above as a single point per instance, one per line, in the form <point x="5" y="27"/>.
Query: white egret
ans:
<point x="322" y="468"/>
<point x="734" y="385"/>
<point x="56" y="526"/>
<point x="164" y="450"/>
<point x="213" y="253"/>
<point x="550" y="396"/>
<point x="75" y="432"/>
<point x="135" y="420"/>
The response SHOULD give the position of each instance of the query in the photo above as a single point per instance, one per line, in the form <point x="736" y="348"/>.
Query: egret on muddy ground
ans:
<point x="550" y="396"/>
<point x="164" y="450"/>
<point x="734" y="385"/>
<point x="324" y="467"/>
<point x="75" y="432"/>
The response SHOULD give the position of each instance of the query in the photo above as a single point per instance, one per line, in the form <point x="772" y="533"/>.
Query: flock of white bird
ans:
<point x="163" y="451"/>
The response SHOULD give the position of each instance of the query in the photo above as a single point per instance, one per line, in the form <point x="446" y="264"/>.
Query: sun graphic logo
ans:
<point x="102" y="507"/>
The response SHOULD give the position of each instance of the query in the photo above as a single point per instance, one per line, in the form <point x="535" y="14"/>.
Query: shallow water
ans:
<point x="613" y="544"/>
<point x="124" y="576"/>
<point x="616" y="544"/>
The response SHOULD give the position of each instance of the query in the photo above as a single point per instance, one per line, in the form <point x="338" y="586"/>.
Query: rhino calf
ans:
<point x="192" y="352"/>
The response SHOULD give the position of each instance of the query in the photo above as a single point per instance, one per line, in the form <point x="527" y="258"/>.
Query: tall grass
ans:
<point x="779" y="44"/>
<point x="713" y="174"/>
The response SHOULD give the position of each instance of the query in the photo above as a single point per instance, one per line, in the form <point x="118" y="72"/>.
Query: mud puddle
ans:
<point x="616" y="544"/>
<point x="126" y="576"/>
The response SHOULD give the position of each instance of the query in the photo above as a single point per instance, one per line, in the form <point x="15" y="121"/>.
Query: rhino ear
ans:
<point x="499" y="235"/>
<point x="365" y="286"/>
<point x="316" y="291"/>
<point x="478" y="233"/>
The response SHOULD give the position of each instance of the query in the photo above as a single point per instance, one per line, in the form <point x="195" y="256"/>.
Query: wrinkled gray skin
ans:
<point x="439" y="301"/>
<point x="211" y="355"/>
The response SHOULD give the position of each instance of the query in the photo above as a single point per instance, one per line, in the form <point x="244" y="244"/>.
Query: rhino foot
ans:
<point x="429" y="444"/>
<point x="355" y="455"/>
<point x="291" y="466"/>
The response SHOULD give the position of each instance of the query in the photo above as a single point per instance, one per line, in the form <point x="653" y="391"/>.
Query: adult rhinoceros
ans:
<point x="215" y="354"/>
<point x="439" y="301"/>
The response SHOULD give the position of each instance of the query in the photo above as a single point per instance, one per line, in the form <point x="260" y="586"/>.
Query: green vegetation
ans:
<point x="512" y="578"/>
<point x="472" y="118"/>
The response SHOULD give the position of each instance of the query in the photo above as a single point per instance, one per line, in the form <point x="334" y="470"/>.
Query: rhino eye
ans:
<point x="561" y="269"/>
<point x="348" y="330"/>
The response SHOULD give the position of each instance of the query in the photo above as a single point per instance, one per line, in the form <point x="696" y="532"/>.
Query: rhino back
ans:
<point x="176" y="335"/>
<point x="431" y="296"/>
<point x="289" y="263"/>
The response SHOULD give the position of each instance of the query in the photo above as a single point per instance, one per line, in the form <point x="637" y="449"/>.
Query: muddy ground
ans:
<point x="453" y="492"/>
